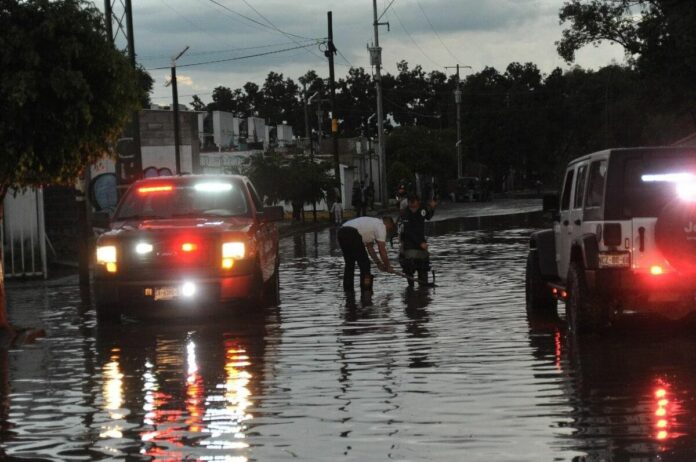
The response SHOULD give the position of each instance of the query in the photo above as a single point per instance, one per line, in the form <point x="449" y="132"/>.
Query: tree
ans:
<point x="658" y="37"/>
<point x="299" y="180"/>
<point x="197" y="104"/>
<point x="65" y="91"/>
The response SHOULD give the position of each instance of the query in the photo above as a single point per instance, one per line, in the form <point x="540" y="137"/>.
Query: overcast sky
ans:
<point x="432" y="33"/>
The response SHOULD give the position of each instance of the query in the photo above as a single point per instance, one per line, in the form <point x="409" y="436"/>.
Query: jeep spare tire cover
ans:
<point x="675" y="235"/>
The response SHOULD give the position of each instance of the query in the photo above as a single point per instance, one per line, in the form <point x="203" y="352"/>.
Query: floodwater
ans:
<point x="456" y="372"/>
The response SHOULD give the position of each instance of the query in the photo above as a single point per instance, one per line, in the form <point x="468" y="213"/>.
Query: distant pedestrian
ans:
<point x="356" y="199"/>
<point x="337" y="212"/>
<point x="370" y="196"/>
<point x="357" y="238"/>
<point x="363" y="199"/>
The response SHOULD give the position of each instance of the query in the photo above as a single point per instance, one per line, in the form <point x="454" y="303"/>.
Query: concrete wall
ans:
<point x="157" y="140"/>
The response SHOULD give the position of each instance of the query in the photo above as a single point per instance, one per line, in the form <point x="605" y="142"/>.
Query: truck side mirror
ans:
<point x="273" y="213"/>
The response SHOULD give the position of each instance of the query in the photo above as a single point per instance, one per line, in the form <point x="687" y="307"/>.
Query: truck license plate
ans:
<point x="166" y="293"/>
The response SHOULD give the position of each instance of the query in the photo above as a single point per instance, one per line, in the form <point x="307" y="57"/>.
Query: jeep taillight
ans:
<point x="657" y="270"/>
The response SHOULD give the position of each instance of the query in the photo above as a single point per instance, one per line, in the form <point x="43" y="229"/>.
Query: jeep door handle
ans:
<point x="578" y="222"/>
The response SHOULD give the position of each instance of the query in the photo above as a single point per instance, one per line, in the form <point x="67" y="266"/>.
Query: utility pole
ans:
<point x="306" y="121"/>
<point x="458" y="102"/>
<point x="119" y="13"/>
<point x="376" y="60"/>
<point x="175" y="107"/>
<point x="329" y="53"/>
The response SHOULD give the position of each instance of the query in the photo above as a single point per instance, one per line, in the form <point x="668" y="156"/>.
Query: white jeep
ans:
<point x="623" y="239"/>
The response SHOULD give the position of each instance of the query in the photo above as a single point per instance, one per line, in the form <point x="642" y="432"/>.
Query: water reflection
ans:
<point x="194" y="385"/>
<point x="416" y="301"/>
<point x="631" y="390"/>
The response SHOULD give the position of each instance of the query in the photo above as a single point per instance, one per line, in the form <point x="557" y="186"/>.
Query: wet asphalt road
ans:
<point x="453" y="373"/>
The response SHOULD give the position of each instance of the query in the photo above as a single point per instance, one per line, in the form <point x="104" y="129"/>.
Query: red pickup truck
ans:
<point x="185" y="245"/>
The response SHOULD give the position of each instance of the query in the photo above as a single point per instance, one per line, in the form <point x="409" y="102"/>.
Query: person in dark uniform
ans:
<point x="357" y="238"/>
<point x="414" y="256"/>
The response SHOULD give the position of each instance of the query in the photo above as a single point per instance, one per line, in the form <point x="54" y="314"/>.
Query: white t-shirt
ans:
<point x="370" y="229"/>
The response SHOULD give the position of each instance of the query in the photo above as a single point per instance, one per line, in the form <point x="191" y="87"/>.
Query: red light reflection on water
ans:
<point x="665" y="410"/>
<point x="558" y="352"/>
<point x="218" y="421"/>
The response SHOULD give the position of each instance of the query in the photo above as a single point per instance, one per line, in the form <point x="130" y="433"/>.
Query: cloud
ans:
<point x="477" y="32"/>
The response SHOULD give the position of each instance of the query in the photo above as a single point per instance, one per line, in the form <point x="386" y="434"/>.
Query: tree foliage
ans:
<point x="65" y="91"/>
<point x="658" y="36"/>
<point x="299" y="180"/>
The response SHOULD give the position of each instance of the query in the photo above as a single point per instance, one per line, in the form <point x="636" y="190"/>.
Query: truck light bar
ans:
<point x="151" y="189"/>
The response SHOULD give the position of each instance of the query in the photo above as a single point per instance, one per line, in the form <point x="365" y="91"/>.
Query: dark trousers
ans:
<point x="354" y="251"/>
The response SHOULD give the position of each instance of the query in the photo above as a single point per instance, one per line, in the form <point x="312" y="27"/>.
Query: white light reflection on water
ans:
<point x="113" y="397"/>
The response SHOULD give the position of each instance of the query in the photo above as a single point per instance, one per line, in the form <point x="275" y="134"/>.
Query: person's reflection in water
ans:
<point x="416" y="300"/>
<point x="300" y="245"/>
<point x="334" y="249"/>
<point x="357" y="307"/>
<point x="631" y="390"/>
<point x="189" y="387"/>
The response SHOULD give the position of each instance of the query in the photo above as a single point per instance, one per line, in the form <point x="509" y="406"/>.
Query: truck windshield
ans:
<point x="203" y="199"/>
<point x="650" y="183"/>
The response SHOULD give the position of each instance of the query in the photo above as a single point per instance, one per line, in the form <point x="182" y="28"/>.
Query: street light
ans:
<point x="175" y="98"/>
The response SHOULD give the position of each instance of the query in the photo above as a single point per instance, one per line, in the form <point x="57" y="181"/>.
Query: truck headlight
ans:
<point x="107" y="256"/>
<point x="232" y="251"/>
<point x="614" y="259"/>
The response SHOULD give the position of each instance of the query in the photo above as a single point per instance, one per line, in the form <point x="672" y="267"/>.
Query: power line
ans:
<point x="344" y="58"/>
<point x="436" y="33"/>
<point x="237" y="58"/>
<point x="241" y="15"/>
<point x="287" y="34"/>
<point x="413" y="40"/>
<point x="385" y="10"/>
<point x="185" y="18"/>
<point x="230" y="50"/>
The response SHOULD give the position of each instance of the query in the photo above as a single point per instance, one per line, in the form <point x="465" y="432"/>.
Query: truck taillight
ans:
<point x="656" y="270"/>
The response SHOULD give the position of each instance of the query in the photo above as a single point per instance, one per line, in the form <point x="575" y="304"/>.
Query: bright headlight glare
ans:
<point x="687" y="191"/>
<point x="106" y="254"/>
<point x="188" y="289"/>
<point x="142" y="248"/>
<point x="234" y="250"/>
<point x="213" y="187"/>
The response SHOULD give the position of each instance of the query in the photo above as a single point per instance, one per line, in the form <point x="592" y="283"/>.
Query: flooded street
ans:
<point x="456" y="372"/>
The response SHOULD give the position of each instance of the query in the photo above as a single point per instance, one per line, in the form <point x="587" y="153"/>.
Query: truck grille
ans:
<point x="169" y="253"/>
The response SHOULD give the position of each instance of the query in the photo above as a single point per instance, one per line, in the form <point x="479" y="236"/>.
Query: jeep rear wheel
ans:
<point x="538" y="296"/>
<point x="585" y="311"/>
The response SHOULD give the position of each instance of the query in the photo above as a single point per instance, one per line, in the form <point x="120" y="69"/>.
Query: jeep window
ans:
<point x="648" y="198"/>
<point x="203" y="199"/>
<point x="565" y="199"/>
<point x="595" y="185"/>
<point x="580" y="186"/>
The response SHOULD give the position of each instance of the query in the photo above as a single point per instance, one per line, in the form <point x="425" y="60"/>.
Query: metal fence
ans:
<point x="23" y="235"/>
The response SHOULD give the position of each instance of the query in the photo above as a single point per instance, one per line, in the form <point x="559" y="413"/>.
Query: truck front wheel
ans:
<point x="585" y="311"/>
